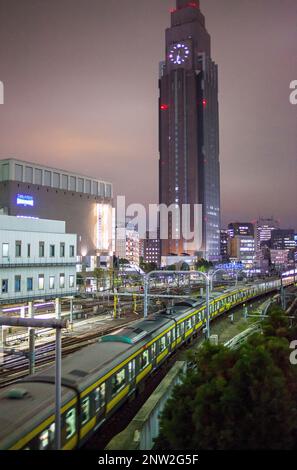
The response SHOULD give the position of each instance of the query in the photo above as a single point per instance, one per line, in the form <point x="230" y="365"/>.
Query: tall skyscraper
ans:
<point x="189" y="131"/>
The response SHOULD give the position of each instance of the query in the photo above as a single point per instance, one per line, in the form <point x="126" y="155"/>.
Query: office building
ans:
<point x="263" y="230"/>
<point x="189" y="169"/>
<point x="84" y="203"/>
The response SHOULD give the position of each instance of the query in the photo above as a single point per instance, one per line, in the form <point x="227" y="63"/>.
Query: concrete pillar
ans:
<point x="23" y="312"/>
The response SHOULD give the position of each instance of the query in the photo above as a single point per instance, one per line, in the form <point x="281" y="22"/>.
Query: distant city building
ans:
<point x="224" y="245"/>
<point x="37" y="259"/>
<point x="263" y="230"/>
<point x="84" y="203"/>
<point x="189" y="134"/>
<point x="241" y="229"/>
<point x="151" y="249"/>
<point x="242" y="249"/>
<point x="279" y="258"/>
<point x="128" y="243"/>
<point x="283" y="239"/>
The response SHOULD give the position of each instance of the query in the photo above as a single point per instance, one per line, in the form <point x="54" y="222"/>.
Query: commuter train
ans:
<point x="99" y="379"/>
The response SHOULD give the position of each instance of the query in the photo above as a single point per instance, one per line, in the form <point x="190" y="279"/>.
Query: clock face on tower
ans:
<point x="179" y="53"/>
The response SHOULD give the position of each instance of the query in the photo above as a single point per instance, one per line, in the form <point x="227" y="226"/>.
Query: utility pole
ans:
<point x="31" y="332"/>
<point x="58" y="325"/>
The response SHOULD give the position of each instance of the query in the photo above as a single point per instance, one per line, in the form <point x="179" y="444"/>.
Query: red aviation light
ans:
<point x="164" y="107"/>
<point x="204" y="102"/>
<point x="193" y="5"/>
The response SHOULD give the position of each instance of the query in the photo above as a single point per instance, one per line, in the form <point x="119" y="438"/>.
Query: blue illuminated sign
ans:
<point x="25" y="200"/>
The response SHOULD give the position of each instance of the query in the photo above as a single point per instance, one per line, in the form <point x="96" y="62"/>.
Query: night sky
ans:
<point x="81" y="93"/>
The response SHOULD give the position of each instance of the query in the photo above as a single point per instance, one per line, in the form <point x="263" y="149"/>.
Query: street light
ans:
<point x="212" y="275"/>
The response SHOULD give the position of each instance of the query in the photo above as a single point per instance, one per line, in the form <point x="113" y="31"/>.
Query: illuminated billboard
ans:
<point x="25" y="200"/>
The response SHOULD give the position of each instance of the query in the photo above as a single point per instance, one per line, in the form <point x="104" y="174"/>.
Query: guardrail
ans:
<point x="241" y="338"/>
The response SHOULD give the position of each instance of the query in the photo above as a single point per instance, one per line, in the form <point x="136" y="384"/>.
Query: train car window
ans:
<point x="188" y="324"/>
<point x="70" y="421"/>
<point x="47" y="438"/>
<point x="162" y="343"/>
<point x="154" y="350"/>
<point x="178" y="331"/>
<point x="118" y="381"/>
<point x="85" y="410"/>
<point x="99" y="396"/>
<point x="168" y="337"/>
<point x="173" y="334"/>
<point x="131" y="370"/>
<point x="182" y="328"/>
<point x="144" y="359"/>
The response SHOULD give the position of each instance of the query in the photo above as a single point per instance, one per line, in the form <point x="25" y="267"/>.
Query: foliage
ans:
<point x="203" y="265"/>
<point x="243" y="399"/>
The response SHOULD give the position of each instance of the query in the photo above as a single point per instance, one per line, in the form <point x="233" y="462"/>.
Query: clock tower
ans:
<point x="189" y="169"/>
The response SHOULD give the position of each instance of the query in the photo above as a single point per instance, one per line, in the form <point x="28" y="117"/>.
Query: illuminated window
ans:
<point x="62" y="281"/>
<point x="154" y="350"/>
<point x="41" y="281"/>
<point x="47" y="437"/>
<point x="162" y="343"/>
<point x="118" y="381"/>
<point x="52" y="282"/>
<point x="71" y="281"/>
<point x="70" y="421"/>
<point x="131" y="370"/>
<point x="99" y="396"/>
<point x="85" y="410"/>
<point x="5" y="250"/>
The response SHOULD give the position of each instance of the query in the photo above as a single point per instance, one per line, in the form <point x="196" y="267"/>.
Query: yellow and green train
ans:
<point x="97" y="380"/>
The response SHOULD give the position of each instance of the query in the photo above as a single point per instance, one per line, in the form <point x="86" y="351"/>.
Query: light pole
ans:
<point x="212" y="275"/>
<point x="236" y="276"/>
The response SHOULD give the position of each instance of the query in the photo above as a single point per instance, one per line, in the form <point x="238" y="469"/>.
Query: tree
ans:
<point x="203" y="265"/>
<point x="99" y="275"/>
<point x="243" y="399"/>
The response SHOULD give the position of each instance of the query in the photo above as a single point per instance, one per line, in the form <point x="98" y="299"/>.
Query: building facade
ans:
<point x="241" y="229"/>
<point x="189" y="169"/>
<point x="151" y="249"/>
<point x="85" y="204"/>
<point x="224" y="245"/>
<point x="283" y="239"/>
<point x="128" y="244"/>
<point x="37" y="259"/>
<point x="263" y="230"/>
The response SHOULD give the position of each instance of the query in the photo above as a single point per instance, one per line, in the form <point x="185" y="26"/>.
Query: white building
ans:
<point x="37" y="259"/>
<point x="128" y="244"/>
